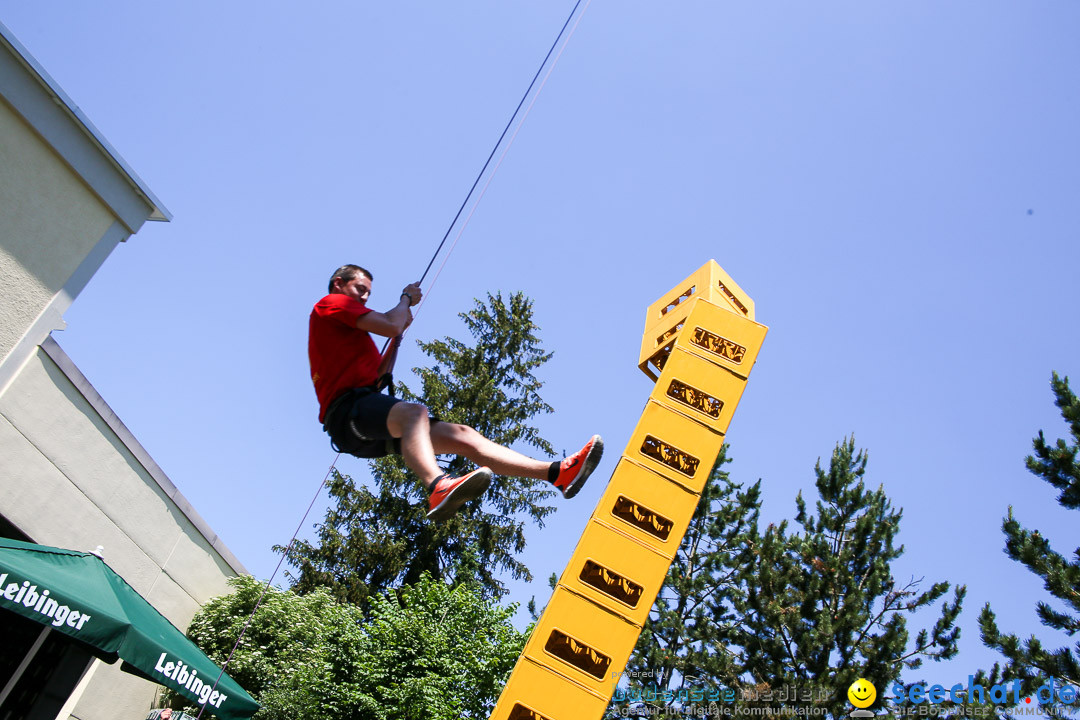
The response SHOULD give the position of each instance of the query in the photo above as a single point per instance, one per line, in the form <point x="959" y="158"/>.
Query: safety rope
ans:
<point x="461" y="230"/>
<point x="483" y="190"/>
<point x="498" y="164"/>
<point x="266" y="588"/>
<point x="503" y="135"/>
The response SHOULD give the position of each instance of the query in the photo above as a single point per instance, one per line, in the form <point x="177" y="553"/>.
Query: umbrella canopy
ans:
<point x="76" y="593"/>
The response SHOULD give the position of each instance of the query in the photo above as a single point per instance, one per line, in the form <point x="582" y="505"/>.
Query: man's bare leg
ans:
<point x="450" y="438"/>
<point x="409" y="422"/>
<point x="421" y="441"/>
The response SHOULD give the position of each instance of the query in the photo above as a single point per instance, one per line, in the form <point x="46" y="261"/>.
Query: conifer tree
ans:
<point x="685" y="645"/>
<point x="822" y="607"/>
<point x="1028" y="660"/>
<point x="797" y="616"/>
<point x="371" y="540"/>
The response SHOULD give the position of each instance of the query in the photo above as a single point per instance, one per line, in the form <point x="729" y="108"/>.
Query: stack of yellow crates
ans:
<point x="699" y="345"/>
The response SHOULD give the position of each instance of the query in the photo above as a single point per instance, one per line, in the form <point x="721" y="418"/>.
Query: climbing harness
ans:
<point x="343" y="426"/>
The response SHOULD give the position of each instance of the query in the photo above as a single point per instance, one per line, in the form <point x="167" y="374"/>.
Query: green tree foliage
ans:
<point x="822" y="606"/>
<point x="428" y="651"/>
<point x="370" y="541"/>
<point x="433" y="652"/>
<point x="686" y="643"/>
<point x="1028" y="660"/>
<point x="289" y="636"/>
<point x="799" y="615"/>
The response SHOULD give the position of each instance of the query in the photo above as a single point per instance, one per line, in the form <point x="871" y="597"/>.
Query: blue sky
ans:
<point x="895" y="184"/>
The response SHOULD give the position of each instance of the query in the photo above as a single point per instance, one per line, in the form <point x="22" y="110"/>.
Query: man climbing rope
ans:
<point x="349" y="374"/>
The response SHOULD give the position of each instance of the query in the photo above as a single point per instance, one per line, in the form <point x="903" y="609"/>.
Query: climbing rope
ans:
<point x="498" y="164"/>
<point x="434" y="256"/>
<point x="266" y="588"/>
<point x="507" y="129"/>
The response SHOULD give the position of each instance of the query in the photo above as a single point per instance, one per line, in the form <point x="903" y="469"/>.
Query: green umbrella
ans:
<point x="76" y="593"/>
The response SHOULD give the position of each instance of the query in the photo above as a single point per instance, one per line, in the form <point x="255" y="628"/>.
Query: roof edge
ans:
<point x="82" y="384"/>
<point x="158" y="211"/>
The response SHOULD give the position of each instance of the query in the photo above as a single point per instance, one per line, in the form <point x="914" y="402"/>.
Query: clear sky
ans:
<point x="895" y="184"/>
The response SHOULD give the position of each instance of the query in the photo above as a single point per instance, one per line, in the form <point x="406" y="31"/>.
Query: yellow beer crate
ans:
<point x="583" y="641"/>
<point x="538" y="693"/>
<point x="699" y="389"/>
<point x="710" y="331"/>
<point x="710" y="282"/>
<point x="647" y="507"/>
<point x="616" y="571"/>
<point x="675" y="446"/>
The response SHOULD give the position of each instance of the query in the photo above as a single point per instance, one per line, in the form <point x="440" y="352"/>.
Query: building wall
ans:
<point x="40" y="247"/>
<point x="74" y="477"/>
<point x="81" y="484"/>
<point x="71" y="474"/>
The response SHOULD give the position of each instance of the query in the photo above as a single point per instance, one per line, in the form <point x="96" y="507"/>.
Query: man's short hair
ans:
<point x="347" y="273"/>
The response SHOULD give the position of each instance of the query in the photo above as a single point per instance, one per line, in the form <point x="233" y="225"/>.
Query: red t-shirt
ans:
<point x="342" y="356"/>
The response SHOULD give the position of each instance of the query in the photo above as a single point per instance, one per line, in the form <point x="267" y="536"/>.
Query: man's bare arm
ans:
<point x="390" y="356"/>
<point x="393" y="322"/>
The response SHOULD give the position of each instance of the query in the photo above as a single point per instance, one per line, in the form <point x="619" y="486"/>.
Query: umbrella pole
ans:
<point x="24" y="664"/>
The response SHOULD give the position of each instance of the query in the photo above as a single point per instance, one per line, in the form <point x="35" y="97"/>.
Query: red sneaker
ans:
<point x="449" y="493"/>
<point x="575" y="470"/>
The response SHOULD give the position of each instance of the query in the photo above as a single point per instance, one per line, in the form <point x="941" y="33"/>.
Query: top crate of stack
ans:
<point x="666" y="316"/>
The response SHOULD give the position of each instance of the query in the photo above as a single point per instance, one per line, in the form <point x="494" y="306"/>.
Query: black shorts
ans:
<point x="356" y="423"/>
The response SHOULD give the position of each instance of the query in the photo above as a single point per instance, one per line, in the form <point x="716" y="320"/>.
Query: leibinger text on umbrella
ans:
<point x="188" y="679"/>
<point x="29" y="596"/>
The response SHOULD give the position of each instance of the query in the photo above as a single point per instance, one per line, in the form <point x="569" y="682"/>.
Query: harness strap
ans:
<point x="343" y="402"/>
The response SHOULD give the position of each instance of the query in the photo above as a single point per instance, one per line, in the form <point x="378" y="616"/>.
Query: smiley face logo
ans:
<point x="862" y="693"/>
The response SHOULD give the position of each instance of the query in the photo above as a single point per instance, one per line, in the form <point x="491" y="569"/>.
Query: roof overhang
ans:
<point x="43" y="104"/>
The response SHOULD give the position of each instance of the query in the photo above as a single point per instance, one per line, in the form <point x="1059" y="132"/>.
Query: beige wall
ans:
<point x="82" y="486"/>
<point x="49" y="223"/>
<point x="71" y="478"/>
